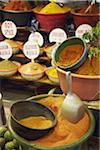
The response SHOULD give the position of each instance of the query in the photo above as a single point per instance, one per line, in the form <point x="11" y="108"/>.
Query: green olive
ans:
<point x="15" y="143"/>
<point x="8" y="136"/>
<point x="3" y="129"/>
<point x="10" y="146"/>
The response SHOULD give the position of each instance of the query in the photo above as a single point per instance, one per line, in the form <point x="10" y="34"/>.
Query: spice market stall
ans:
<point x="41" y="44"/>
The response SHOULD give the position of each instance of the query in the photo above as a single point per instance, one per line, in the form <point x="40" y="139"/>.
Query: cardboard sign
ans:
<point x="8" y="29"/>
<point x="36" y="37"/>
<point x="57" y="35"/>
<point x="31" y="50"/>
<point x="5" y="50"/>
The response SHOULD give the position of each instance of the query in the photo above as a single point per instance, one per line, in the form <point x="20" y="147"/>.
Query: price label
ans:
<point x="57" y="35"/>
<point x="8" y="29"/>
<point x="82" y="29"/>
<point x="31" y="50"/>
<point x="36" y="37"/>
<point x="5" y="50"/>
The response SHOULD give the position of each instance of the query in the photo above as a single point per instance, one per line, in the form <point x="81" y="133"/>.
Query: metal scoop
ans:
<point x="72" y="108"/>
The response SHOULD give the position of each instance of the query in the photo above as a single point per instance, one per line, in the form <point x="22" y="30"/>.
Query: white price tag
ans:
<point x="57" y="35"/>
<point x="5" y="50"/>
<point x="31" y="50"/>
<point x="8" y="29"/>
<point x="82" y="29"/>
<point x="36" y="37"/>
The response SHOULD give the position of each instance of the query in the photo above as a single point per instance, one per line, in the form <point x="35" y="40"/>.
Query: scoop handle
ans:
<point x="58" y="1"/>
<point x="69" y="80"/>
<point x="90" y="6"/>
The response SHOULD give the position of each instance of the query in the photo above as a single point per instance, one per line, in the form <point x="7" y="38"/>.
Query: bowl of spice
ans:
<point x="32" y="120"/>
<point x="19" y="12"/>
<point x="65" y="135"/>
<point x="86" y="78"/>
<point x="70" y="54"/>
<point x="32" y="71"/>
<point x="51" y="72"/>
<point x="8" y="68"/>
<point x="86" y="16"/>
<point x="51" y="16"/>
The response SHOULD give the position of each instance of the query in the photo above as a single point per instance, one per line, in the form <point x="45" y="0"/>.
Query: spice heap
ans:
<point x="71" y="54"/>
<point x="65" y="132"/>
<point x="7" y="65"/>
<point x="91" y="65"/>
<point x="39" y="122"/>
<point x="18" y="5"/>
<point x="94" y="9"/>
<point x="51" y="8"/>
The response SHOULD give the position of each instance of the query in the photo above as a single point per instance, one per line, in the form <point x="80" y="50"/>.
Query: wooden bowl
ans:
<point x="24" y="109"/>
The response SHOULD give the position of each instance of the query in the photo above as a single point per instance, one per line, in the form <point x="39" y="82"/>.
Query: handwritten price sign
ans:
<point x="31" y="50"/>
<point x="82" y="29"/>
<point x="57" y="35"/>
<point x="8" y="29"/>
<point x="5" y="50"/>
<point x="36" y="37"/>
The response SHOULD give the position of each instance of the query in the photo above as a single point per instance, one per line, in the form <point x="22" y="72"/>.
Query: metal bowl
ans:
<point x="24" y="109"/>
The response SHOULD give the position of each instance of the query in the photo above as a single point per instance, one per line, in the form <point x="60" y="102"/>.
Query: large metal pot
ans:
<point x="28" y="145"/>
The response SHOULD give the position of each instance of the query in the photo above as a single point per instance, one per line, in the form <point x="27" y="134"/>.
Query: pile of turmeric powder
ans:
<point x="51" y="8"/>
<point x="18" y="5"/>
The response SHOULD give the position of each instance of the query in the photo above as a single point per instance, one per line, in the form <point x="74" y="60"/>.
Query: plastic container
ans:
<point x="86" y="87"/>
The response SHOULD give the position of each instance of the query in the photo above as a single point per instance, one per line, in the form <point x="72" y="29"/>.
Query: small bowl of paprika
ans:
<point x="70" y="54"/>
